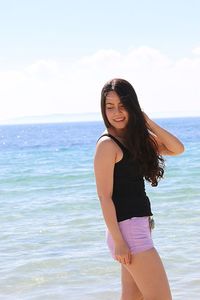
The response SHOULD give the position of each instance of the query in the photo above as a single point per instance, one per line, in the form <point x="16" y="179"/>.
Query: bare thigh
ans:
<point x="149" y="275"/>
<point x="130" y="290"/>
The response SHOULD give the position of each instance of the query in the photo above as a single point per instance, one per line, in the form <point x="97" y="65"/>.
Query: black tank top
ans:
<point x="129" y="196"/>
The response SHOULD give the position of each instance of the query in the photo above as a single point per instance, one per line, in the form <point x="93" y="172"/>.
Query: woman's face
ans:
<point x="115" y="111"/>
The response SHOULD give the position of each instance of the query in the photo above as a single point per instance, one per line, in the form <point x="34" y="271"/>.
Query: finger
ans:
<point x="127" y="259"/>
<point x="118" y="258"/>
<point x="130" y="258"/>
<point x="124" y="260"/>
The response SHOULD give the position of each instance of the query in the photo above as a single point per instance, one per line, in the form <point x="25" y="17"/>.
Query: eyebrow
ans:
<point x="110" y="103"/>
<point x="113" y="103"/>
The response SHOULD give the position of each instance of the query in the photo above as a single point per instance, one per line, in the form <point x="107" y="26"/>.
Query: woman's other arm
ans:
<point x="104" y="161"/>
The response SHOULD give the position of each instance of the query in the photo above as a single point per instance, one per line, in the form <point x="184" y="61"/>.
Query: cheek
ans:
<point x="125" y="113"/>
<point x="127" y="118"/>
<point x="108" y="114"/>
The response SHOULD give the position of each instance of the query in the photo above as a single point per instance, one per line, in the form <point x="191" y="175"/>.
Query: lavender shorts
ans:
<point x="137" y="234"/>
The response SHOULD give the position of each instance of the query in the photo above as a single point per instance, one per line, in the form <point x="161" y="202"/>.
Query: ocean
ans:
<point x="52" y="233"/>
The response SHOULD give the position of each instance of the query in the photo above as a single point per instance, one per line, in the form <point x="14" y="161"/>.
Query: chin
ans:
<point x="119" y="126"/>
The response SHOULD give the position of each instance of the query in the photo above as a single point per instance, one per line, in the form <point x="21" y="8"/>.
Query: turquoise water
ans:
<point x="52" y="231"/>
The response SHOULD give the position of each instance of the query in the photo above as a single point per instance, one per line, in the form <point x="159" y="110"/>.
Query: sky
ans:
<point x="55" y="56"/>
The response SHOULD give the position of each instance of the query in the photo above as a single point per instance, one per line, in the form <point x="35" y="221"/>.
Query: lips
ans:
<point x="119" y="120"/>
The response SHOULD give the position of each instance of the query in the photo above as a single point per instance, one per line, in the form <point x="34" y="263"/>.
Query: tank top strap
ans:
<point x="116" y="140"/>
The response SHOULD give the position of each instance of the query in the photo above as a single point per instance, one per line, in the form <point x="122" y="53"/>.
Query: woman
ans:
<point x="129" y="151"/>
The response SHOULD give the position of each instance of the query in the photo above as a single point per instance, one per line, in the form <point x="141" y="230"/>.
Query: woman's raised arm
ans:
<point x="168" y="144"/>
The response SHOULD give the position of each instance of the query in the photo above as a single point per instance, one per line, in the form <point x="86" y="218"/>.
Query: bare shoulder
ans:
<point x="105" y="148"/>
<point x="105" y="144"/>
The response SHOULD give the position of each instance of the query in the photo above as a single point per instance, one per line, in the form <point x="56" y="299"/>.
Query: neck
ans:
<point x="116" y="132"/>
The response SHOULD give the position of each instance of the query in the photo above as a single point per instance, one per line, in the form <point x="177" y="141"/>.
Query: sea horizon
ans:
<point x="84" y="117"/>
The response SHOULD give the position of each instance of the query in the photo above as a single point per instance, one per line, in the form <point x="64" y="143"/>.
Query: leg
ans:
<point x="130" y="290"/>
<point x="149" y="275"/>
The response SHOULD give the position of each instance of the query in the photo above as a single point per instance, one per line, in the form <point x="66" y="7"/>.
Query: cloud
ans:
<point x="163" y="85"/>
<point x="196" y="51"/>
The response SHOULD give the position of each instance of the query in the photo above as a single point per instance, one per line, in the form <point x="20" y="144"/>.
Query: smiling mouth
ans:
<point x="119" y="120"/>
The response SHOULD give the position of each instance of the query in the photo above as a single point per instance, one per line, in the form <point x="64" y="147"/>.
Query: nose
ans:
<point x="117" y="110"/>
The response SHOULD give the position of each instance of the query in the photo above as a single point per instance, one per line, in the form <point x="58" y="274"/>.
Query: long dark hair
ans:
<point x="138" y="140"/>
